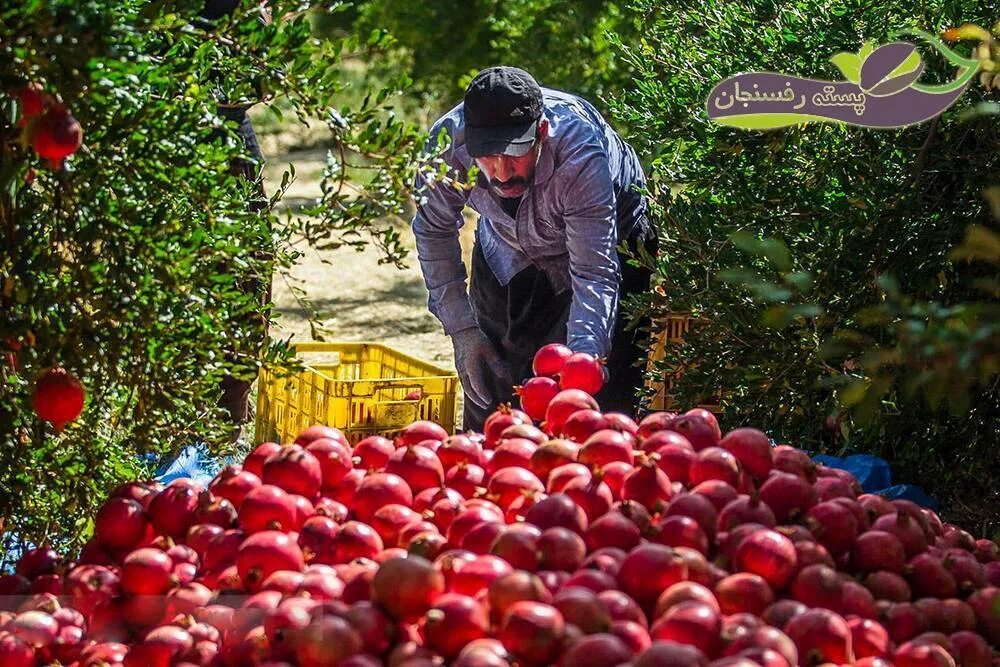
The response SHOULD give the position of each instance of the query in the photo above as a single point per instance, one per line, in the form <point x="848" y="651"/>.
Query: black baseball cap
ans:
<point x="502" y="108"/>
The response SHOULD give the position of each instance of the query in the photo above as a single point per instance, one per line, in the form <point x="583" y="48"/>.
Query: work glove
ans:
<point x="479" y="366"/>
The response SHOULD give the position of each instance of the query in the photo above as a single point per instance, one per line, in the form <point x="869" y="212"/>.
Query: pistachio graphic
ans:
<point x="890" y="68"/>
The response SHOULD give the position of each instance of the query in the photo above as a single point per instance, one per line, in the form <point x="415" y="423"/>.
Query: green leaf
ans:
<point x="911" y="63"/>
<point x="849" y="65"/>
<point x="866" y="50"/>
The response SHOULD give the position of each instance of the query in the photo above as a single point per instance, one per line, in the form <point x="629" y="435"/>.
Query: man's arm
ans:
<point x="435" y="227"/>
<point x="591" y="237"/>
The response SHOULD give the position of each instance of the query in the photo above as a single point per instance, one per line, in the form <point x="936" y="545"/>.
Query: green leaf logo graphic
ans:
<point x="849" y="64"/>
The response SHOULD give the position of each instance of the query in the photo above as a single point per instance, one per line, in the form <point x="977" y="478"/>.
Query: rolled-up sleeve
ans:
<point x="435" y="227"/>
<point x="591" y="239"/>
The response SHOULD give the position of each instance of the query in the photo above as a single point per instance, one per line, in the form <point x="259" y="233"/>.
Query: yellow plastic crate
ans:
<point x="360" y="388"/>
<point x="670" y="331"/>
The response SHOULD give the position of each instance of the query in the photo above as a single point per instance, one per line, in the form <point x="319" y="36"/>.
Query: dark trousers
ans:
<point x="526" y="314"/>
<point x="235" y="397"/>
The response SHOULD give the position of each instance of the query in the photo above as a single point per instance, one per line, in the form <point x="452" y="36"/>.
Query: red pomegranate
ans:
<point x="407" y="587"/>
<point x="418" y="431"/>
<point x="374" y="452"/>
<point x="55" y="135"/>
<point x="533" y="632"/>
<point x="454" y="621"/>
<point x="821" y="636"/>
<point x="692" y="623"/>
<point x="295" y="470"/>
<point x="549" y="359"/>
<point x="419" y="466"/>
<point x="564" y="404"/>
<point x="535" y="395"/>
<point x="752" y="449"/>
<point x="769" y="554"/>
<point x="582" y="371"/>
<point x="58" y="397"/>
<point x="121" y="523"/>
<point x="264" y="553"/>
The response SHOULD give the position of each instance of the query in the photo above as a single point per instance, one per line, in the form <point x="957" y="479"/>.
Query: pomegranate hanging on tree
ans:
<point x="58" y="397"/>
<point x="56" y="135"/>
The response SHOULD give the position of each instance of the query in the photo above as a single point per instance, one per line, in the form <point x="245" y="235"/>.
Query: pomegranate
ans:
<point x="420" y="431"/>
<point x="295" y="470"/>
<point x="509" y="483"/>
<point x="584" y="423"/>
<point x="499" y="421"/>
<point x="407" y="587"/>
<point x="921" y="654"/>
<point x="692" y="623"/>
<point x="583" y="372"/>
<point x="613" y="529"/>
<point x="699" y="426"/>
<point x="604" y="447"/>
<point x="560" y="549"/>
<point x="821" y="636"/>
<point x="147" y="571"/>
<point x="888" y="586"/>
<point x="682" y="531"/>
<point x="513" y="587"/>
<point x="454" y="621"/>
<point x="551" y="455"/>
<point x="457" y="449"/>
<point x="58" y="396"/>
<point x="533" y="632"/>
<point x="818" y="586"/>
<point x="647" y="485"/>
<point x="265" y="552"/>
<point x="986" y="605"/>
<point x="121" y="523"/>
<point x="355" y="540"/>
<point x="878" y="550"/>
<point x="971" y="650"/>
<point x="744" y="510"/>
<point x="752" y="449"/>
<point x="468" y="479"/>
<point x="928" y="577"/>
<point x="55" y="135"/>
<point x="267" y="507"/>
<point x="549" y="359"/>
<point x="535" y="395"/>
<point x="834" y="525"/>
<point x="334" y="460"/>
<point x="564" y="404"/>
<point x="671" y="654"/>
<point x="789" y="496"/>
<point x="744" y="593"/>
<point x="377" y="490"/>
<point x="373" y="452"/>
<point x="650" y="569"/>
<point x="512" y="452"/>
<point x="768" y="554"/>
<point x="597" y="650"/>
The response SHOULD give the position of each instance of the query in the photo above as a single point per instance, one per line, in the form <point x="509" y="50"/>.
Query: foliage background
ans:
<point x="126" y="266"/>
<point x="819" y="256"/>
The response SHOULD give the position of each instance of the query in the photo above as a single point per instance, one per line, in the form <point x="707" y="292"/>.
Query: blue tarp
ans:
<point x="195" y="462"/>
<point x="875" y="476"/>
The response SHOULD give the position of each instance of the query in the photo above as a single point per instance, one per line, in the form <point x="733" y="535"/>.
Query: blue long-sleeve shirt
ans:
<point x="567" y="223"/>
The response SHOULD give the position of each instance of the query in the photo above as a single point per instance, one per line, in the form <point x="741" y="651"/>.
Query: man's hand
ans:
<point x="479" y="366"/>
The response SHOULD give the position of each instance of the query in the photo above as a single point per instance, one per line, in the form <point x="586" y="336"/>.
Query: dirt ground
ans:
<point x="356" y="298"/>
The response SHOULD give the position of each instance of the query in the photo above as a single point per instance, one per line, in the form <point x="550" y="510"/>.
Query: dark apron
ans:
<point x="527" y="313"/>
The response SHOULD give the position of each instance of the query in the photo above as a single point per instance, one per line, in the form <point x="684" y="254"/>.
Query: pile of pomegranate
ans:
<point x="559" y="536"/>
